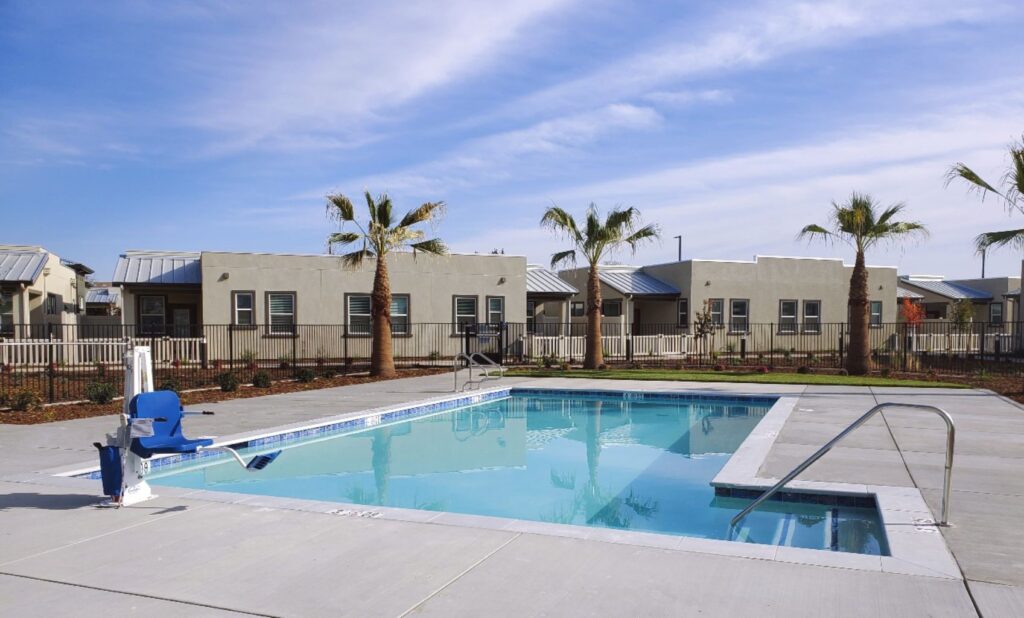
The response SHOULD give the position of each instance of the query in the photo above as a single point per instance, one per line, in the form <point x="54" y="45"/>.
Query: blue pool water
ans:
<point x="584" y="460"/>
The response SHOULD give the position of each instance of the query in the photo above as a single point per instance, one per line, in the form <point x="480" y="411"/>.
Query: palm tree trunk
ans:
<point x="594" y="356"/>
<point x="857" y="360"/>
<point x="382" y="361"/>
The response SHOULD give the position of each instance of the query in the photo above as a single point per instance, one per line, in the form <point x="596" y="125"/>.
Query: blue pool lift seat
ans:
<point x="164" y="408"/>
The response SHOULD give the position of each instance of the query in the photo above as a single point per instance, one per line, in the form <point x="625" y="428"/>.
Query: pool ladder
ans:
<point x="950" y="440"/>
<point x="486" y="367"/>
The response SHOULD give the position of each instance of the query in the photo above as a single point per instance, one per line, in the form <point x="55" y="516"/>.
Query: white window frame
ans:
<point x="683" y="313"/>
<point x="872" y="322"/>
<point x="357" y="328"/>
<point x="582" y="309"/>
<point x="812" y="323"/>
<point x="281" y="329"/>
<point x="236" y="310"/>
<point x="614" y="302"/>
<point x="492" y="313"/>
<point x="459" y="319"/>
<point x="717" y="316"/>
<point x="745" y="316"/>
<point x="404" y="326"/>
<point x="143" y="327"/>
<point x="788" y="321"/>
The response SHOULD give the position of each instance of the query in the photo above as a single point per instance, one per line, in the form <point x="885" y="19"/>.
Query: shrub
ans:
<point x="23" y="399"/>
<point x="100" y="392"/>
<point x="564" y="366"/>
<point x="227" y="381"/>
<point x="719" y="367"/>
<point x="886" y="372"/>
<point x="762" y="369"/>
<point x="678" y="366"/>
<point x="305" y="375"/>
<point x="171" y="384"/>
<point x="550" y="361"/>
<point x="803" y="369"/>
<point x="261" y="379"/>
<point x="101" y="370"/>
<point x="435" y="355"/>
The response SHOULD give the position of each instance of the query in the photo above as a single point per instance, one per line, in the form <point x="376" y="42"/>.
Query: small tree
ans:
<point x="704" y="324"/>
<point x="963" y="314"/>
<point x="911" y="312"/>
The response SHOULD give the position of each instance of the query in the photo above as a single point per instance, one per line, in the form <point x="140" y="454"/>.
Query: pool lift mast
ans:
<point x="150" y="424"/>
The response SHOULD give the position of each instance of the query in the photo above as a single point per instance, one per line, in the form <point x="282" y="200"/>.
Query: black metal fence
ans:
<point x="59" y="363"/>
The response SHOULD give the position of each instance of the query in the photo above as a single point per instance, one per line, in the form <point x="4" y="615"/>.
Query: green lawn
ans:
<point x="730" y="376"/>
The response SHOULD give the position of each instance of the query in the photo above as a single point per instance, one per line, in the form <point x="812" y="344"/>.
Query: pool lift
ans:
<point x="150" y="425"/>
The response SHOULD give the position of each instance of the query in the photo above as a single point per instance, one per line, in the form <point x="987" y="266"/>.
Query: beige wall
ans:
<point x="60" y="280"/>
<point x="321" y="283"/>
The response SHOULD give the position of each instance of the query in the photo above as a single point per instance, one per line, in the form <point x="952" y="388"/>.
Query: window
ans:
<point x="995" y="313"/>
<point x="464" y="311"/>
<point x="281" y="313"/>
<point x="6" y="313"/>
<point x="787" y="316"/>
<point x="875" y="313"/>
<point x="683" y="312"/>
<point x="52" y="304"/>
<point x="243" y="308"/>
<point x="152" y="315"/>
<point x="611" y="308"/>
<point x="739" y="318"/>
<point x="578" y="309"/>
<point x="531" y="316"/>
<point x="495" y="309"/>
<point x="812" y="316"/>
<point x="400" y="324"/>
<point x="359" y="314"/>
<point x="717" y="308"/>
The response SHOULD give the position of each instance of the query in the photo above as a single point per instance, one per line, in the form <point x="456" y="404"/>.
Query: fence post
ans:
<point x="771" y="347"/>
<point x="743" y="348"/>
<point x="51" y="366"/>
<point x="295" y="347"/>
<point x="906" y="344"/>
<point x="842" y="344"/>
<point x="231" y="348"/>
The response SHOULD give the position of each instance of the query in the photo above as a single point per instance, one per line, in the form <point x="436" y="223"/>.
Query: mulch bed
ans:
<point x="63" y="412"/>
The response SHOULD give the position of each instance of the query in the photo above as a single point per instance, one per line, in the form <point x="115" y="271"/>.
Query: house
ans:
<point x="797" y="295"/>
<point x="993" y="299"/>
<point x="549" y="304"/>
<point x="255" y="303"/>
<point x="39" y="292"/>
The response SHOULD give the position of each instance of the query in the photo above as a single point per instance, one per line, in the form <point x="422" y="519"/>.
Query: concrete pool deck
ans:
<point x="254" y="555"/>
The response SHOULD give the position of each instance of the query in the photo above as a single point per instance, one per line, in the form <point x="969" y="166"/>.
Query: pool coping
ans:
<point x="916" y="546"/>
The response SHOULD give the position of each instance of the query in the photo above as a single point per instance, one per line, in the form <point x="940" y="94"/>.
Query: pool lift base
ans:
<point x="150" y="425"/>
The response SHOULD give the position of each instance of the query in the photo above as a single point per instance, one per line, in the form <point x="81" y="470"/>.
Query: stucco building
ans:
<point x="39" y="291"/>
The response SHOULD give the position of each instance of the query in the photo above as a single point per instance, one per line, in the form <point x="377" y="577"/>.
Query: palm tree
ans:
<point x="1012" y="195"/>
<point x="859" y="224"/>
<point x="594" y="241"/>
<point x="379" y="237"/>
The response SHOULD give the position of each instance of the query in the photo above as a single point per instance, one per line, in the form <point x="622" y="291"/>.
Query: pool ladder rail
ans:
<point x="950" y="441"/>
<point x="476" y="360"/>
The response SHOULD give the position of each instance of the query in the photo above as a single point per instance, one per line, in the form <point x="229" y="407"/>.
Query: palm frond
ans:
<point x="433" y="246"/>
<point x="561" y="221"/>
<point x="975" y="182"/>
<point x="355" y="258"/>
<point x="563" y="257"/>
<point x="384" y="211"/>
<point x="426" y="212"/>
<point x="340" y="208"/>
<point x="623" y="220"/>
<point x="890" y="212"/>
<point x="344" y="238"/>
<point x="647" y="233"/>
<point x="814" y="231"/>
<point x="371" y="206"/>
<point x="1014" y="178"/>
<point x="990" y="240"/>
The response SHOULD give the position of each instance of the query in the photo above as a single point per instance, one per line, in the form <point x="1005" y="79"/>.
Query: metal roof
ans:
<point x="158" y="268"/>
<point x="103" y="296"/>
<point x="77" y="266"/>
<point x="949" y="289"/>
<point x="905" y="293"/>
<point x="540" y="280"/>
<point x="636" y="283"/>
<point x="1014" y="292"/>
<point x="22" y="266"/>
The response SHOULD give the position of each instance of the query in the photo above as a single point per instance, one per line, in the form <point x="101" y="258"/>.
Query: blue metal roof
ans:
<point x="949" y="289"/>
<point x="902" y="292"/>
<point x="103" y="296"/>
<point x="158" y="268"/>
<point x="22" y="266"/>
<point x="540" y="280"/>
<point x="636" y="283"/>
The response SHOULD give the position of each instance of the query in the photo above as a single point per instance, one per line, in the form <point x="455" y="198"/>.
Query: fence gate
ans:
<point x="487" y="339"/>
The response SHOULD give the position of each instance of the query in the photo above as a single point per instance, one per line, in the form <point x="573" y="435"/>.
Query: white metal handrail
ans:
<point x="950" y="441"/>
<point x="471" y="362"/>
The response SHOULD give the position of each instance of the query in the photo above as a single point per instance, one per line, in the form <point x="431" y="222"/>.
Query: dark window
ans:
<point x="787" y="316"/>
<point x="683" y="312"/>
<point x="464" y="312"/>
<point x="995" y="313"/>
<point x="281" y="313"/>
<point x="495" y="309"/>
<point x="152" y="315"/>
<point x="812" y="316"/>
<point x="359" y="314"/>
<point x="578" y="309"/>
<point x="531" y="316"/>
<point x="400" y="321"/>
<point x="243" y="308"/>
<point x="53" y="305"/>
<point x="611" y="308"/>
<point x="875" y="313"/>
<point x="6" y="313"/>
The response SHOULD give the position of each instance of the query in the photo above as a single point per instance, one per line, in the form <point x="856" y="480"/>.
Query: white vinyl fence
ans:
<point x="42" y="352"/>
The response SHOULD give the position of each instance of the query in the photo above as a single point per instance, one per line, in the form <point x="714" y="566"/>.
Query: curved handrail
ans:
<point x="471" y="362"/>
<point x="950" y="441"/>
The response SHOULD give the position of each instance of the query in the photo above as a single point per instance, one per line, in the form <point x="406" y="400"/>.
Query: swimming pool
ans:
<point x="627" y="461"/>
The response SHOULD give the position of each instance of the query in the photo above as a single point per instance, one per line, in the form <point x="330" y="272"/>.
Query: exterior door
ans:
<point x="181" y="321"/>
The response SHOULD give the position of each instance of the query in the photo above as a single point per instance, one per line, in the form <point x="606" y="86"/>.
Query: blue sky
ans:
<point x="213" y="125"/>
